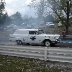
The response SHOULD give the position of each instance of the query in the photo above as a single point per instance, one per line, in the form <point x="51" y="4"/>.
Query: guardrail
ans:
<point x="42" y="53"/>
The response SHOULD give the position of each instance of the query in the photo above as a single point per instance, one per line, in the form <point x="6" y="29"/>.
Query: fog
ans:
<point x="24" y="14"/>
<point x="12" y="6"/>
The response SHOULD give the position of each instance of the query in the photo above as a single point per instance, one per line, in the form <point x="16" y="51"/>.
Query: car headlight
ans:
<point x="57" y="40"/>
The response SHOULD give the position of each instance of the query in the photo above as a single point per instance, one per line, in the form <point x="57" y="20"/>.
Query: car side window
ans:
<point x="32" y="32"/>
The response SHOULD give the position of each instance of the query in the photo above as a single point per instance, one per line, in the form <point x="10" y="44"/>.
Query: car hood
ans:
<point x="50" y="34"/>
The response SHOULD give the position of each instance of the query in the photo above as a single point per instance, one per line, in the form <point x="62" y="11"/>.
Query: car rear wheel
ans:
<point x="47" y="43"/>
<point x="19" y="42"/>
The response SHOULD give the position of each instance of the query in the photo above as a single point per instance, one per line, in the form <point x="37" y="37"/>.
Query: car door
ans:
<point x="39" y="39"/>
<point x="34" y="37"/>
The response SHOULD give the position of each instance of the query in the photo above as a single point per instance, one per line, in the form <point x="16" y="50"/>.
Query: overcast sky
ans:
<point x="13" y="6"/>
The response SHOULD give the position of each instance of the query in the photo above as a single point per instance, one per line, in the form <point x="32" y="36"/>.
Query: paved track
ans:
<point x="8" y="43"/>
<point x="4" y="40"/>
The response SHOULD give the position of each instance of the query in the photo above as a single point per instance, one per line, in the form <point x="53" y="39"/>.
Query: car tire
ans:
<point x="19" y="42"/>
<point x="47" y="43"/>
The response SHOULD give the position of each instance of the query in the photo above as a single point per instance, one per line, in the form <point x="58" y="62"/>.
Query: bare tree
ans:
<point x="62" y="9"/>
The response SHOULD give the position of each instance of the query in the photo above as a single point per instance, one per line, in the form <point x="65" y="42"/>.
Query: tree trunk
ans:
<point x="67" y="29"/>
<point x="68" y="12"/>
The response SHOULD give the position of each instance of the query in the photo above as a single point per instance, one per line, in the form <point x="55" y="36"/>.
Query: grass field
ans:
<point x="16" y="64"/>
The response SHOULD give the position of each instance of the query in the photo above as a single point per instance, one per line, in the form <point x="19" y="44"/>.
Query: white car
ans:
<point x="34" y="36"/>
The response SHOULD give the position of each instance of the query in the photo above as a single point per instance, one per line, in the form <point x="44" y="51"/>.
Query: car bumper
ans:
<point x="56" y="41"/>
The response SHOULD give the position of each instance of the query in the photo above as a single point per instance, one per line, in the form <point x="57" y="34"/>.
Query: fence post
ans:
<point x="45" y="54"/>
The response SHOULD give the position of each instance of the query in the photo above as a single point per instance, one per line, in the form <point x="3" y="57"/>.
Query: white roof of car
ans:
<point x="28" y="29"/>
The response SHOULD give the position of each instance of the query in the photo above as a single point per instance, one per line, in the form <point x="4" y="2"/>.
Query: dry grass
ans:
<point x="16" y="64"/>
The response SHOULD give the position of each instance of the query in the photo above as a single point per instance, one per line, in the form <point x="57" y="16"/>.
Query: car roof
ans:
<point x="28" y="29"/>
